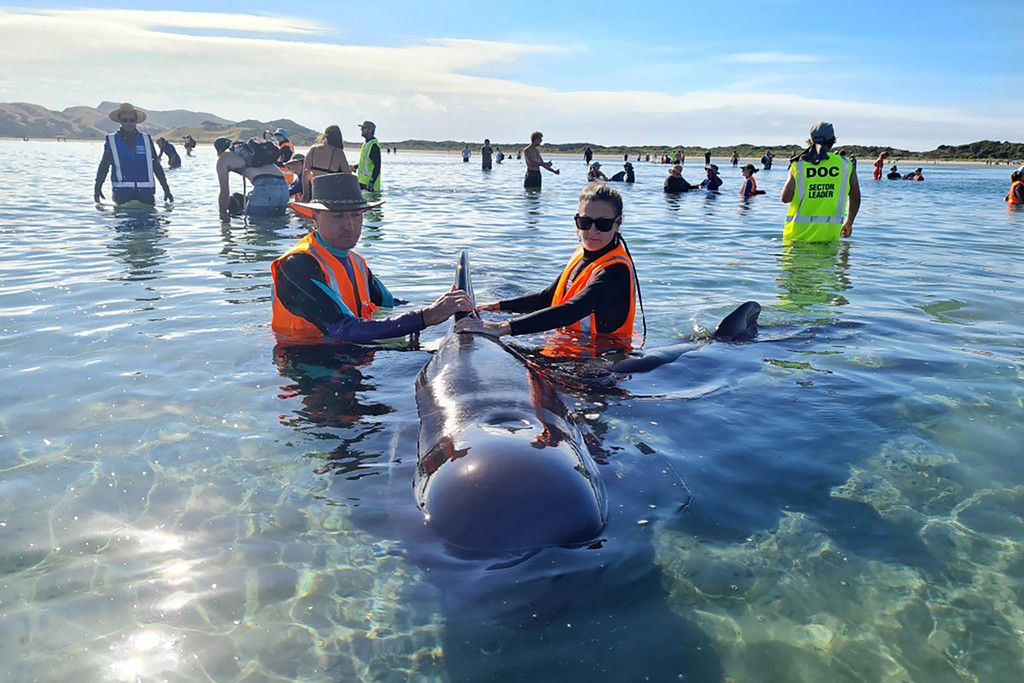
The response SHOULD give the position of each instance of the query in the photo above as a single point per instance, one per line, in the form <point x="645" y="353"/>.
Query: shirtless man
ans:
<point x="534" y="161"/>
<point x="269" y="195"/>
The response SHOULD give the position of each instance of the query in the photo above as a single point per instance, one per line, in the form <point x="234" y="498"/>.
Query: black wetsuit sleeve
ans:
<point x="530" y="302"/>
<point x="606" y="296"/>
<point x="375" y="158"/>
<point x="296" y="290"/>
<point x="105" y="162"/>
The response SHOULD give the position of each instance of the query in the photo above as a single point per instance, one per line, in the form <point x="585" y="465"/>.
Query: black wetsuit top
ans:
<point x="301" y="297"/>
<point x="606" y="296"/>
<point x="677" y="184"/>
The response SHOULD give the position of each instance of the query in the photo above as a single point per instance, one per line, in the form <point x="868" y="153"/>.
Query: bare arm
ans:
<point x="223" y="168"/>
<point x="854" y="205"/>
<point x="307" y="162"/>
<point x="790" y="188"/>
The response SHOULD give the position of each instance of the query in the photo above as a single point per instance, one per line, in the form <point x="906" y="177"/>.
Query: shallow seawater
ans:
<point x="842" y="499"/>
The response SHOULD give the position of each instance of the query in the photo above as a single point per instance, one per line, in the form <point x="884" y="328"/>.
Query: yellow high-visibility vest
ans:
<point x="818" y="209"/>
<point x="364" y="172"/>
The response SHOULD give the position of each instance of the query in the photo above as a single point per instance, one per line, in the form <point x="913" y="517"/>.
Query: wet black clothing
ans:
<point x="607" y="297"/>
<point x="675" y="184"/>
<point x="301" y="297"/>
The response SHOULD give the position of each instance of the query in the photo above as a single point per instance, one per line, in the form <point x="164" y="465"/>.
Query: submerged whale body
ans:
<point x="501" y="465"/>
<point x="740" y="325"/>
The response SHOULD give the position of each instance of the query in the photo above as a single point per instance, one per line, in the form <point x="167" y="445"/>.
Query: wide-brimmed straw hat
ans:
<point x="126" y="108"/>
<point x="337" y="192"/>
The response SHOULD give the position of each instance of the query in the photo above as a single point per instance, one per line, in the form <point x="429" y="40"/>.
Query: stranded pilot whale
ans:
<point x="501" y="464"/>
<point x="740" y="325"/>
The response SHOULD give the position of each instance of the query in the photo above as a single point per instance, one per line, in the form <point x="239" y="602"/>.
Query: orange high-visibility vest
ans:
<point x="566" y="290"/>
<point x="1012" y="198"/>
<point x="355" y="295"/>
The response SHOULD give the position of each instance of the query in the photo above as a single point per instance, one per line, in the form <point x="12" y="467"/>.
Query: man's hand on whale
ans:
<point x="452" y="302"/>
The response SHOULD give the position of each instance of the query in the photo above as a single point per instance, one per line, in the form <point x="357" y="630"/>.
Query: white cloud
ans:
<point x="60" y="58"/>
<point x="424" y="103"/>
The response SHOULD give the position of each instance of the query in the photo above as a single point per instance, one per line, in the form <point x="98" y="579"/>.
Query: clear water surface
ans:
<point x="181" y="501"/>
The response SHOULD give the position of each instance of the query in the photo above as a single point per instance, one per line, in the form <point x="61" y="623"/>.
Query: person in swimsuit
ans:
<point x="269" y="195"/>
<point x="534" y="161"/>
<point x="327" y="155"/>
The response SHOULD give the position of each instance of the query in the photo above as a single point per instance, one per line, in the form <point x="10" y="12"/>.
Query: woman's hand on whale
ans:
<point x="469" y="324"/>
<point x="445" y="307"/>
<point x="493" y="306"/>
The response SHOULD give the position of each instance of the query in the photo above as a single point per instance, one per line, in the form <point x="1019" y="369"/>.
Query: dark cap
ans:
<point x="337" y="192"/>
<point x="221" y="144"/>
<point x="751" y="168"/>
<point x="822" y="132"/>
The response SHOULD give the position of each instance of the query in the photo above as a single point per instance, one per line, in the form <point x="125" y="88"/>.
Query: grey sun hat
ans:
<point x="368" y="124"/>
<point x="822" y="132"/>
<point x="337" y="192"/>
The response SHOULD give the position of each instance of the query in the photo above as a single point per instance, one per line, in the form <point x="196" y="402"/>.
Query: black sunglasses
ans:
<point x="124" y="120"/>
<point x="602" y="224"/>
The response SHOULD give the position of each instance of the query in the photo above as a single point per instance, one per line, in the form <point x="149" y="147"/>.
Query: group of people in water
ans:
<point x="324" y="289"/>
<point x="277" y="173"/>
<point x="894" y="172"/>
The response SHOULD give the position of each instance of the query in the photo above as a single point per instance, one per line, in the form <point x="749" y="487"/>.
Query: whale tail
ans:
<point x="464" y="281"/>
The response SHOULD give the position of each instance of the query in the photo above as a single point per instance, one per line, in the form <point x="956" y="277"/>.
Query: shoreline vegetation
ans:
<point x="695" y="155"/>
<point x="19" y="120"/>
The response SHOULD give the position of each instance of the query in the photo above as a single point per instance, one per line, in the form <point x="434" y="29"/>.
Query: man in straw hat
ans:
<point x="818" y="189"/>
<point x="133" y="157"/>
<point x="323" y="288"/>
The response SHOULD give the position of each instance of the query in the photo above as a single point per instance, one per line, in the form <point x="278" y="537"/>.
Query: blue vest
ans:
<point x="132" y="174"/>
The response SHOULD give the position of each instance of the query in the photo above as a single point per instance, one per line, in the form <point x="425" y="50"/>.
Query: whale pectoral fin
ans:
<point x="740" y="325"/>
<point x="652" y="359"/>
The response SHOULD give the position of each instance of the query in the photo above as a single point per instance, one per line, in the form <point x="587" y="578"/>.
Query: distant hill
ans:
<point x="208" y="131"/>
<point x="21" y="119"/>
<point x="166" y="119"/>
<point x="18" y="119"/>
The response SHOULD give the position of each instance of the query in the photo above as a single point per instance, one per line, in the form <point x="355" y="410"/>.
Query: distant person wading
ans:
<point x="368" y="170"/>
<point x="133" y="157"/>
<point x="535" y="162"/>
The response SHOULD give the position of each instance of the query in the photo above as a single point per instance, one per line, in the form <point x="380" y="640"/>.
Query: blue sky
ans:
<point x="907" y="74"/>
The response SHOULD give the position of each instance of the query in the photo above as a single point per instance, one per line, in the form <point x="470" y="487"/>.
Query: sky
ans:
<point x="904" y="74"/>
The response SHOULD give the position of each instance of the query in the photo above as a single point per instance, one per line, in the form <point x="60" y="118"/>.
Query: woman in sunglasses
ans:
<point x="594" y="293"/>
